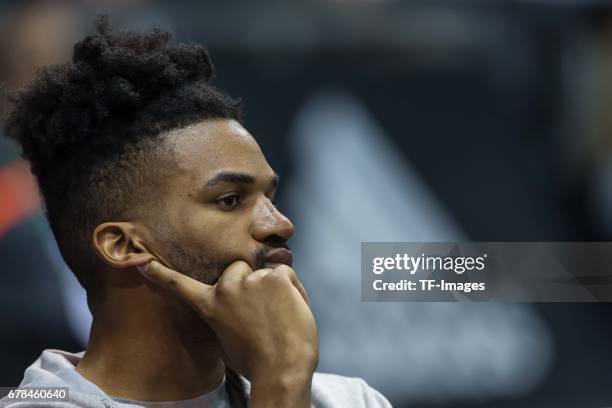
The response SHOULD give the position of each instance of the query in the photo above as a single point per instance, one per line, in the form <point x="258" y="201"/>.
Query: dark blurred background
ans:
<point x="387" y="121"/>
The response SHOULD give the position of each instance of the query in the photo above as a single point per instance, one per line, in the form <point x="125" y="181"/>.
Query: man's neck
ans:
<point x="155" y="352"/>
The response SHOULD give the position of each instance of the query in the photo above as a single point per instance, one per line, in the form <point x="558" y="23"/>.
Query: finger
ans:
<point x="187" y="288"/>
<point x="302" y="289"/>
<point x="260" y="273"/>
<point x="237" y="270"/>
<point x="295" y="281"/>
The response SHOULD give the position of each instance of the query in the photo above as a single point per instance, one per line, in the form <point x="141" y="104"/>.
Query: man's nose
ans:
<point x="271" y="222"/>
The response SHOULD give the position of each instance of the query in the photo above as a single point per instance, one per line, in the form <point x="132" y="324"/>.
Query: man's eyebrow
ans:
<point x="234" y="177"/>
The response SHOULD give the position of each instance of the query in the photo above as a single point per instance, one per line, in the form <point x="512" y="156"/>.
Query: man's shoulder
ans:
<point x="331" y="390"/>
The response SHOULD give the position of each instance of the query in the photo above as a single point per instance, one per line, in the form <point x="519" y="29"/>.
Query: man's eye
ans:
<point x="229" y="202"/>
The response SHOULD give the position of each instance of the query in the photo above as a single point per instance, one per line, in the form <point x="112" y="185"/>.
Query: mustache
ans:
<point x="269" y="245"/>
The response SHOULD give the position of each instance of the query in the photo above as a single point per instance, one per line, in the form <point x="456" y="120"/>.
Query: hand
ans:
<point x="262" y="320"/>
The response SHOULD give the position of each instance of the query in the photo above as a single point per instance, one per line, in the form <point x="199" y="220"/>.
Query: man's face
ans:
<point x="217" y="207"/>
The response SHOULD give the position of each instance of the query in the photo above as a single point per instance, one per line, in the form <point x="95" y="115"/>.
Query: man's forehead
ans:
<point x="209" y="146"/>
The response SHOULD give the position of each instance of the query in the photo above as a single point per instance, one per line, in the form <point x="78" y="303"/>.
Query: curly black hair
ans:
<point x="91" y="128"/>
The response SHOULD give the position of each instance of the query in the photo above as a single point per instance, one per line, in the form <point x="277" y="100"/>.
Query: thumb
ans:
<point x="190" y="290"/>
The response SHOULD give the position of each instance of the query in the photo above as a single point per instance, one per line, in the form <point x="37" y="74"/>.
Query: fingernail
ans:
<point x="143" y="268"/>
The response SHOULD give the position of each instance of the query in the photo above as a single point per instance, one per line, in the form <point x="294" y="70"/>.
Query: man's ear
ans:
<point x="119" y="245"/>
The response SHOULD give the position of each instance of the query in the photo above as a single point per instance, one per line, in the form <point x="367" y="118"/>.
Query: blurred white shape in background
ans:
<point x="349" y="186"/>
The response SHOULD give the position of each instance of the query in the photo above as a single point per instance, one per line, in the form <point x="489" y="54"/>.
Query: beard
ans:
<point x="203" y="265"/>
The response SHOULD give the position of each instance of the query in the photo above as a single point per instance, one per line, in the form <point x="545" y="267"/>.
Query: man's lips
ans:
<point x="280" y="256"/>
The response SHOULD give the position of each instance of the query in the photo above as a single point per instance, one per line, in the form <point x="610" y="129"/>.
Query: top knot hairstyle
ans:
<point x="89" y="127"/>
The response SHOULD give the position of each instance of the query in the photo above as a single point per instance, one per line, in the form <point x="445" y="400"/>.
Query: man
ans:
<point x="162" y="205"/>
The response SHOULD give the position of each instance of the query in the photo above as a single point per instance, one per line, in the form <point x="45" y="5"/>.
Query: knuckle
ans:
<point x="226" y="287"/>
<point x="172" y="282"/>
<point x="276" y="277"/>
<point x="285" y="270"/>
<point x="254" y="277"/>
<point x="260" y="273"/>
<point x="221" y="290"/>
